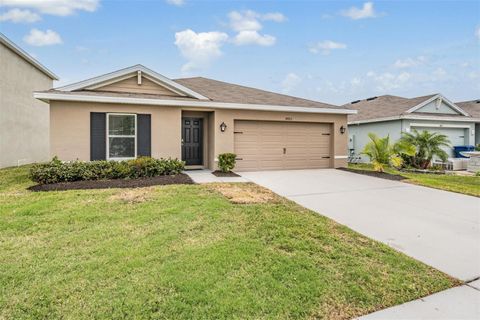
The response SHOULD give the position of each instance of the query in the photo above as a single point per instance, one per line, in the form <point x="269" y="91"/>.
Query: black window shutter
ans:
<point x="98" y="132"/>
<point x="144" y="135"/>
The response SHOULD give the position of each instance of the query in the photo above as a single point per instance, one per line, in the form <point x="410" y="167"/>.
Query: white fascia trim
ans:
<point x="438" y="96"/>
<point x="415" y="117"/>
<point x="374" y="120"/>
<point x="433" y="118"/>
<point x="341" y="157"/>
<point x="438" y="125"/>
<point x="12" y="46"/>
<point x="45" y="96"/>
<point x="93" y="82"/>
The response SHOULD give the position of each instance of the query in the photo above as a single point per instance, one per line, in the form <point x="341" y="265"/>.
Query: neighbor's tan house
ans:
<point x="24" y="120"/>
<point x="138" y="112"/>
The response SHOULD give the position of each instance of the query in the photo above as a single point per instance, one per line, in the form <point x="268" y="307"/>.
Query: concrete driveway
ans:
<point x="440" y="228"/>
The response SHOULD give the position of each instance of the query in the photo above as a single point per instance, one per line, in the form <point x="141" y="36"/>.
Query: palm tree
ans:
<point x="428" y="145"/>
<point x="382" y="153"/>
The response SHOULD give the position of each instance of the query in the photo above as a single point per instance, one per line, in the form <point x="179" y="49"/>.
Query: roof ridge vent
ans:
<point x="356" y="101"/>
<point x="371" y="98"/>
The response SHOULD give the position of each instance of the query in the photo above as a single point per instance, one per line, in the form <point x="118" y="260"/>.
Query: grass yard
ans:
<point x="189" y="252"/>
<point x="469" y="185"/>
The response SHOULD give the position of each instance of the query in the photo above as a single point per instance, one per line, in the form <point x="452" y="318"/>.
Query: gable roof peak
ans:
<point x="121" y="74"/>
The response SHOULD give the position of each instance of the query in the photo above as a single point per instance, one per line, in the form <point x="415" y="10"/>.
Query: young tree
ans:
<point x="382" y="153"/>
<point x="428" y="145"/>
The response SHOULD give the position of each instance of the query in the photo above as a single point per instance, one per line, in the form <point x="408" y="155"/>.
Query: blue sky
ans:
<point x="331" y="51"/>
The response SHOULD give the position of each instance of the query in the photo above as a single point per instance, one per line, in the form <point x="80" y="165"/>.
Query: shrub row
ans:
<point x="59" y="171"/>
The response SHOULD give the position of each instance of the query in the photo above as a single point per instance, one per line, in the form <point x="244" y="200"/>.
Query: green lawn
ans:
<point x="469" y="185"/>
<point x="186" y="252"/>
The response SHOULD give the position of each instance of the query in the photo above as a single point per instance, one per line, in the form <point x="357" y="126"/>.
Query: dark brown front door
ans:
<point x="192" y="141"/>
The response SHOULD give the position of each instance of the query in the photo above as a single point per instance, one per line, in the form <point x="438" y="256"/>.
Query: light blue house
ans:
<point x="392" y="115"/>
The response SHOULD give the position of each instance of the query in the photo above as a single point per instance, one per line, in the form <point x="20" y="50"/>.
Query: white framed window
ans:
<point x="121" y="136"/>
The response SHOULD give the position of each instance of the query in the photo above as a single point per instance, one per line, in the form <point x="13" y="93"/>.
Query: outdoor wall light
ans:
<point x="342" y="129"/>
<point x="223" y="127"/>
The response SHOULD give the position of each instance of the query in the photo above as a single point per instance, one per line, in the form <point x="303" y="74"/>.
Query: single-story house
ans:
<point x="392" y="115"/>
<point x="24" y="120"/>
<point x="473" y="109"/>
<point x="139" y="112"/>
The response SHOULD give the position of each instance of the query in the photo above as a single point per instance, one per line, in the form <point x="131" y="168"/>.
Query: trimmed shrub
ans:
<point x="226" y="161"/>
<point x="59" y="171"/>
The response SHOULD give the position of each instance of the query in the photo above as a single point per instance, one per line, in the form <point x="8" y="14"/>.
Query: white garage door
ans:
<point x="455" y="135"/>
<point x="270" y="145"/>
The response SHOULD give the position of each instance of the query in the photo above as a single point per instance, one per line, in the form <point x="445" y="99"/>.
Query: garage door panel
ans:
<point x="260" y="145"/>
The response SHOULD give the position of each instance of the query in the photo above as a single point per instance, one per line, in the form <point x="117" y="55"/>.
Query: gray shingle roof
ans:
<point x="471" y="107"/>
<point x="384" y="106"/>
<point x="219" y="91"/>
<point x="216" y="91"/>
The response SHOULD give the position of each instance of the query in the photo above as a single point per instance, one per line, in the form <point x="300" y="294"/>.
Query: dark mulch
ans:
<point x="423" y="171"/>
<point x="383" y="175"/>
<point x="115" y="183"/>
<point x="224" y="174"/>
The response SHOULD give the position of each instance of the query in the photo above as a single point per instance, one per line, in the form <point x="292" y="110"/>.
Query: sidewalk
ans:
<point x="206" y="176"/>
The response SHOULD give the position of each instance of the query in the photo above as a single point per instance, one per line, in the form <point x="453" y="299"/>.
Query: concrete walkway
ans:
<point x="206" y="176"/>
<point x="439" y="228"/>
<point x="456" y="303"/>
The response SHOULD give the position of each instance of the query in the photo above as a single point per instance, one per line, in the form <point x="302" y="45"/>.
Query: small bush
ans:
<point x="226" y="161"/>
<point x="59" y="171"/>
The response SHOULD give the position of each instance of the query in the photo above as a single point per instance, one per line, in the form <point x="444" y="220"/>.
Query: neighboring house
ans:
<point x="24" y="120"/>
<point x="392" y="115"/>
<point x="138" y="112"/>
<point x="473" y="109"/>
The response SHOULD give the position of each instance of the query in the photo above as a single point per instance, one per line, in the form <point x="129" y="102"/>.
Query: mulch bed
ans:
<point x="115" y="183"/>
<point x="423" y="171"/>
<point x="218" y="173"/>
<point x="383" y="175"/>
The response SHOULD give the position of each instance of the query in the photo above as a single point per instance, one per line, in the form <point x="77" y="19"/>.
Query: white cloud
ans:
<point x="409" y="62"/>
<point x="477" y="33"/>
<point x="18" y="15"/>
<point x="253" y="37"/>
<point x="290" y="81"/>
<point x="247" y="24"/>
<point x="200" y="49"/>
<point x="387" y="81"/>
<point x="325" y="47"/>
<point x="54" y="7"/>
<point x="273" y="16"/>
<point x="176" y="2"/>
<point x="356" y="82"/>
<point x="40" y="38"/>
<point x="439" y="74"/>
<point x="367" y="11"/>
<point x="247" y="20"/>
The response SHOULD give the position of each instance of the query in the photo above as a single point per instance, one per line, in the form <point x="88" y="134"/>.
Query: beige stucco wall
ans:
<point x="70" y="128"/>
<point x="24" y="121"/>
